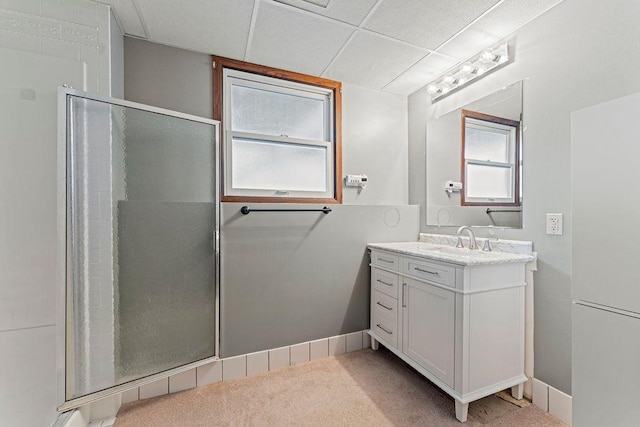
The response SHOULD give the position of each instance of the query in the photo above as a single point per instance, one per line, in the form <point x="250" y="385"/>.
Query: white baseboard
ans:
<point x="552" y="400"/>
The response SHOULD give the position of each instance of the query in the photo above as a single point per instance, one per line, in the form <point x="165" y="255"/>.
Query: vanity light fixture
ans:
<point x="462" y="74"/>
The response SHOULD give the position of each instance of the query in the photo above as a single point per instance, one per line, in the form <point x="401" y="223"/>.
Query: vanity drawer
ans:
<point x="385" y="260"/>
<point x="384" y="317"/>
<point x="382" y="305"/>
<point x="430" y="271"/>
<point x="384" y="281"/>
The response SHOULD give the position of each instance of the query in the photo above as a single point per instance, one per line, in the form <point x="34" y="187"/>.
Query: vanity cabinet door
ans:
<point x="428" y="327"/>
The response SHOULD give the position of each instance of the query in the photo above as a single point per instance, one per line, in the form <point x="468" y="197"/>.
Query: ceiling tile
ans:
<point x="418" y="76"/>
<point x="373" y="61"/>
<point x="292" y="40"/>
<point x="127" y="16"/>
<point x="210" y="26"/>
<point x="511" y="15"/>
<point x="426" y="23"/>
<point x="349" y="11"/>
<point x="468" y="43"/>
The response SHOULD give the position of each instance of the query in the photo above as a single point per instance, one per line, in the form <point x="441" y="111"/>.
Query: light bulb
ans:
<point x="450" y="79"/>
<point x="468" y="68"/>
<point x="433" y="88"/>
<point x="489" y="56"/>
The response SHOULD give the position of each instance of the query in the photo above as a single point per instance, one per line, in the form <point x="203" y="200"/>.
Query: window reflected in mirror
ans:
<point x="490" y="166"/>
<point x="478" y="183"/>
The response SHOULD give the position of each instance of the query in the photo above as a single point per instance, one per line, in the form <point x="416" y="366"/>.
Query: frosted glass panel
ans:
<point x="142" y="218"/>
<point x="273" y="113"/>
<point x="486" y="144"/>
<point x="264" y="165"/>
<point x="488" y="181"/>
<point x="172" y="162"/>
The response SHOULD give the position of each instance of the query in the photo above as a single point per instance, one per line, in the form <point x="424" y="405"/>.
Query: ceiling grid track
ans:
<point x="254" y="18"/>
<point x="466" y="27"/>
<point x="435" y="51"/>
<point x="344" y="46"/>
<point x="141" y="18"/>
<point x="368" y="31"/>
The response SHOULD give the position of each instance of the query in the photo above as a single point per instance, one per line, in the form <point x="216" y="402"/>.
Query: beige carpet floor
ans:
<point x="363" y="388"/>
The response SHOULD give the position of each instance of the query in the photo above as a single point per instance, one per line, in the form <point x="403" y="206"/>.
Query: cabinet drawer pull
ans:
<point x="390" y="261"/>
<point x="384" y="329"/>
<point x="404" y="286"/>
<point x="384" y="306"/>
<point x="383" y="282"/>
<point x="435" y="273"/>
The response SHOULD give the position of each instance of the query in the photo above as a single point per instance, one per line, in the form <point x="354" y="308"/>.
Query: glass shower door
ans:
<point x="142" y="247"/>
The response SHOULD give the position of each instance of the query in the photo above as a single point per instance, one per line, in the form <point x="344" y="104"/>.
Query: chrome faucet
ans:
<point x="472" y="238"/>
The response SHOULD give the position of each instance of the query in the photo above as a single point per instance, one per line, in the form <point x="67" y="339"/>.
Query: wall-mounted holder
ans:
<point x="451" y="186"/>
<point x="356" y="181"/>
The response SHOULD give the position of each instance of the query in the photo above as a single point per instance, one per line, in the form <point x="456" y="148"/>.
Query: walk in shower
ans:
<point x="139" y="216"/>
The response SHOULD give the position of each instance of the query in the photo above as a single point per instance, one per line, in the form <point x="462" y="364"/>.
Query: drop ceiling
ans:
<point x="393" y="45"/>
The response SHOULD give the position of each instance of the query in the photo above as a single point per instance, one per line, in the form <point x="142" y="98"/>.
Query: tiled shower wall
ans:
<point x="82" y="31"/>
<point x="94" y="328"/>
<point x="73" y="29"/>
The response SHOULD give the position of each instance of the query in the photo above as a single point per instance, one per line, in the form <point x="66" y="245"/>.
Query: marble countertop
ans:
<point x="451" y="254"/>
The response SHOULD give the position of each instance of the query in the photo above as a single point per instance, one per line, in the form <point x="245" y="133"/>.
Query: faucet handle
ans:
<point x="459" y="244"/>
<point x="487" y="244"/>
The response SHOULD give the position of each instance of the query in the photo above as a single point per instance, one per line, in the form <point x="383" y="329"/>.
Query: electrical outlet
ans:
<point x="554" y="223"/>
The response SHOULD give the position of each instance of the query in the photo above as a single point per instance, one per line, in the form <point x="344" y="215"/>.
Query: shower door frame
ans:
<point x="64" y="279"/>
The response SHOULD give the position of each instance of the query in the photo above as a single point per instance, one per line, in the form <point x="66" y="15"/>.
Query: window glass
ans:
<point x="257" y="110"/>
<point x="486" y="143"/>
<point x="489" y="182"/>
<point x="278" y="166"/>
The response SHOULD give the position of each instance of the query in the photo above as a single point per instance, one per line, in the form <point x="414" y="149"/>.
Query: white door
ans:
<point x="428" y="328"/>
<point x="28" y="144"/>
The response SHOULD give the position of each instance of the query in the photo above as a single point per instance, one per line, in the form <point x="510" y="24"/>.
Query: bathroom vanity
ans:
<point x="456" y="316"/>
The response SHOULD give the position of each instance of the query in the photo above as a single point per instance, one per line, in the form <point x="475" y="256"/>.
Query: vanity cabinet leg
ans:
<point x="374" y="344"/>
<point x="461" y="411"/>
<point x="517" y="391"/>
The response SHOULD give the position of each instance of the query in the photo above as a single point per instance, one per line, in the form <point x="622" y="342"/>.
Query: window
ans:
<point x="490" y="160"/>
<point x="281" y="134"/>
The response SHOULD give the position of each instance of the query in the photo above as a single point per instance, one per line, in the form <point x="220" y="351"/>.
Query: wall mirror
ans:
<point x="474" y="163"/>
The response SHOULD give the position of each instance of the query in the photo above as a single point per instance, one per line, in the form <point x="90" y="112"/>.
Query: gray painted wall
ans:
<point x="293" y="277"/>
<point x="166" y="77"/>
<point x="556" y="53"/>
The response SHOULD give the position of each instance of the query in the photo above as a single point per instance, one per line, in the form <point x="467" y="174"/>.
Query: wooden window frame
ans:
<point x="516" y="168"/>
<point x="220" y="64"/>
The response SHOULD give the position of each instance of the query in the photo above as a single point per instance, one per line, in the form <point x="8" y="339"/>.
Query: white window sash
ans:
<point x="493" y="200"/>
<point x="232" y="77"/>
<point x="496" y="128"/>
<point x="256" y="81"/>
<point x="283" y="193"/>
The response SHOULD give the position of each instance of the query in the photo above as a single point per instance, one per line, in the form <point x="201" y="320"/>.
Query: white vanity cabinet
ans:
<point x="428" y="326"/>
<point x="461" y="325"/>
